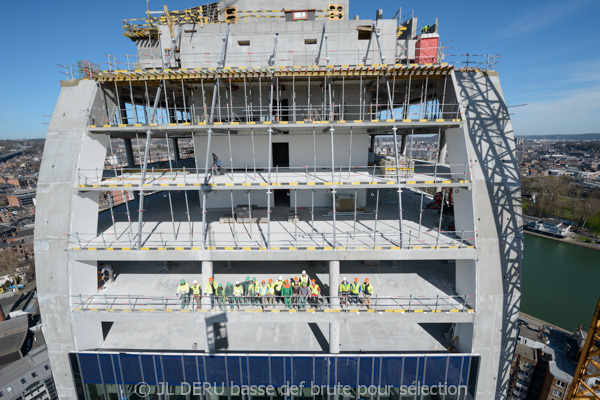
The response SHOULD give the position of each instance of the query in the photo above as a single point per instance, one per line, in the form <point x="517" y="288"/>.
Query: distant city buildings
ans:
<point x="544" y="361"/>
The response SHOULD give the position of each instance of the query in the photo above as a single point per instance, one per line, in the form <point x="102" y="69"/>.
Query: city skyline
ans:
<point x="540" y="65"/>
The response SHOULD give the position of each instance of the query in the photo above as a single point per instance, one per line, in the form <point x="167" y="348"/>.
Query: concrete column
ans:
<point x="373" y="143"/>
<point x="334" y="284"/>
<point x="129" y="152"/>
<point x="403" y="146"/>
<point x="334" y="337"/>
<point x="176" y="149"/>
<point x="443" y="149"/>
<point x="207" y="272"/>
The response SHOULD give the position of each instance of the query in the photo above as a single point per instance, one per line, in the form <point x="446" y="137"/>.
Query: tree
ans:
<point x="9" y="261"/>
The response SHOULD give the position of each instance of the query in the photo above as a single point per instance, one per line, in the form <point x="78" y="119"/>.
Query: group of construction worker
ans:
<point x="295" y="293"/>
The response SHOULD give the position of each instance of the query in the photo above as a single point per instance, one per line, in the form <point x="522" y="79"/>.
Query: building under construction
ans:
<point x="283" y="109"/>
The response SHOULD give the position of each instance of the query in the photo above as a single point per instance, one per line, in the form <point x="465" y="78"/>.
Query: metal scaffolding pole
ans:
<point x="119" y="110"/>
<point x="135" y="119"/>
<point x="253" y="152"/>
<point x="112" y="215"/>
<point x="376" y="216"/>
<point x="333" y="191"/>
<point x="355" y="211"/>
<point x="314" y="153"/>
<point x="144" y="168"/>
<point x="230" y="153"/>
<point x="168" y="191"/>
<point x="400" y="223"/>
<point x="350" y="155"/>
<point x="269" y="185"/>
<point x="233" y="219"/>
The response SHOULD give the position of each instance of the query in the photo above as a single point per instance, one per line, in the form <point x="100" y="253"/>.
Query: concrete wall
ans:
<point x="301" y="147"/>
<point x="56" y="203"/>
<point x="497" y="215"/>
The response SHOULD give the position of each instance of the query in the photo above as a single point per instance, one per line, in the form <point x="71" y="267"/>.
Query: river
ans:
<point x="561" y="282"/>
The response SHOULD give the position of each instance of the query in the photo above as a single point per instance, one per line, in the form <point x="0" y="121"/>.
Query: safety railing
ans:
<point x="432" y="111"/>
<point x="253" y="233"/>
<point x="376" y="303"/>
<point x="260" y="176"/>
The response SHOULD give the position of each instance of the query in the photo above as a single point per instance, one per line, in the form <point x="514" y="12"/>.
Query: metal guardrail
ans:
<point x="257" y="175"/>
<point x="296" y="240"/>
<point x="305" y="113"/>
<point x="402" y="304"/>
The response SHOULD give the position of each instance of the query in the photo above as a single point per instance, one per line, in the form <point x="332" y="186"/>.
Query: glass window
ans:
<point x="299" y="15"/>
<point x="556" y="392"/>
<point x="89" y="368"/>
<point x="560" y="383"/>
<point x="46" y="367"/>
<point x="23" y="381"/>
<point x="33" y="375"/>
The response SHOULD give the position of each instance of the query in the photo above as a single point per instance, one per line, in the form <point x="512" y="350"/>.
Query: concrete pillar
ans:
<point x="176" y="149"/>
<point x="403" y="146"/>
<point x="334" y="284"/>
<point x="129" y="153"/>
<point x="334" y="337"/>
<point x="373" y="143"/>
<point x="443" y="149"/>
<point x="207" y="272"/>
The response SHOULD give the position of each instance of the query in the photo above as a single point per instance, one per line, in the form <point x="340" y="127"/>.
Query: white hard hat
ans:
<point x="303" y="272"/>
<point x="344" y="279"/>
<point x="195" y="281"/>
<point x="280" y="277"/>
<point x="237" y="282"/>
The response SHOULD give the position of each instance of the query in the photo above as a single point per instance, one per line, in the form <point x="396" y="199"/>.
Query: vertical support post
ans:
<point x="400" y="223"/>
<point x="442" y="148"/>
<point x="207" y="272"/>
<point x="270" y="161"/>
<point x="176" y="153"/>
<point x="333" y="189"/>
<point x="334" y="284"/>
<point x="376" y="216"/>
<point x="334" y="337"/>
<point x="129" y="152"/>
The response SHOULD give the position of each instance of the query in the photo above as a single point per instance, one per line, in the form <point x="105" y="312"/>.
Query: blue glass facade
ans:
<point x="233" y="370"/>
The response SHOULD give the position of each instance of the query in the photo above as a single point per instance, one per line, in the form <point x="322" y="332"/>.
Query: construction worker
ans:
<point x="245" y="286"/>
<point x="425" y="29"/>
<point x="278" y="284"/>
<point x="229" y="295"/>
<point x="344" y="292"/>
<point x="286" y="293"/>
<point x="238" y="293"/>
<point x="216" y="164"/>
<point x="251" y="292"/>
<point x="209" y="290"/>
<point x="315" y="294"/>
<point x="197" y="295"/>
<point x="271" y="292"/>
<point x="295" y="291"/>
<point x="263" y="293"/>
<point x="184" y="293"/>
<point x="304" y="278"/>
<point x="220" y="294"/>
<point x="367" y="290"/>
<point x="354" y="291"/>
<point x="304" y="293"/>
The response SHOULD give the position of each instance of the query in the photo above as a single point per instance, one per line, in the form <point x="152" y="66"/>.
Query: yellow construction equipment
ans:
<point x="588" y="366"/>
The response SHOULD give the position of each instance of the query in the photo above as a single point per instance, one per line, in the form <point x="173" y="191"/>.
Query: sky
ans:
<point x="549" y="53"/>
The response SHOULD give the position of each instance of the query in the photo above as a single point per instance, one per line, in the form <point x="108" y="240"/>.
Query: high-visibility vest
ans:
<point x="368" y="289"/>
<point x="355" y="288"/>
<point x="196" y="289"/>
<point x="238" y="290"/>
<point x="262" y="290"/>
<point x="209" y="288"/>
<point x="344" y="288"/>
<point x="251" y="288"/>
<point x="304" y="279"/>
<point x="278" y="285"/>
<point x="315" y="290"/>
<point x="271" y="288"/>
<point x="184" y="289"/>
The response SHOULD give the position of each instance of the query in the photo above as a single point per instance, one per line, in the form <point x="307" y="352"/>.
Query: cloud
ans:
<point x="573" y="111"/>
<point x="539" y="18"/>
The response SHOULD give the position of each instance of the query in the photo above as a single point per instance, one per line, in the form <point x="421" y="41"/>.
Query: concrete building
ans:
<point x="290" y="101"/>
<point x="21" y="198"/>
